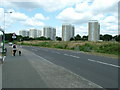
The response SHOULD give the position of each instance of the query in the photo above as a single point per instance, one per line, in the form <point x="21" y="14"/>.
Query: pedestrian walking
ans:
<point x="14" y="49"/>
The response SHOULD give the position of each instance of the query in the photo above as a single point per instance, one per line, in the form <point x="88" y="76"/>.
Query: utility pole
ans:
<point x="4" y="31"/>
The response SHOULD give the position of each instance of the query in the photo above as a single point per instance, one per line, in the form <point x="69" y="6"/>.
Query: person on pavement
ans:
<point x="14" y="49"/>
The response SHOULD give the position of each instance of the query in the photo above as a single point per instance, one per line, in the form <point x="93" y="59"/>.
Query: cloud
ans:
<point x="99" y="6"/>
<point x="21" y="18"/>
<point x="111" y="19"/>
<point x="71" y="16"/>
<point x="1" y="15"/>
<point x="84" y="11"/>
<point x="40" y="16"/>
<point x="47" y="5"/>
<point x="33" y="23"/>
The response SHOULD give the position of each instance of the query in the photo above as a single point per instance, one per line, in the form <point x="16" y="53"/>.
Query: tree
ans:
<point x="58" y="38"/>
<point x="43" y="38"/>
<point x="72" y="39"/>
<point x="117" y="38"/>
<point x="107" y="37"/>
<point x="85" y="38"/>
<point x="48" y="39"/>
<point x="77" y="37"/>
<point x="26" y="38"/>
<point x="101" y="37"/>
<point x="18" y="37"/>
<point x="8" y="37"/>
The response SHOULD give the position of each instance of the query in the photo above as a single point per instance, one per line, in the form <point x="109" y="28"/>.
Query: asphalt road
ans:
<point x="100" y="70"/>
<point x="35" y="69"/>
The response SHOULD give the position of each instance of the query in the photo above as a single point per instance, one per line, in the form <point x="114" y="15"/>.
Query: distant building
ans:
<point x="39" y="33"/>
<point x="24" y="33"/>
<point x="33" y="33"/>
<point x="49" y="32"/>
<point x="93" y="30"/>
<point x="67" y="32"/>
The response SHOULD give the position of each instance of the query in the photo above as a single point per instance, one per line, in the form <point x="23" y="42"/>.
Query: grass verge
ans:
<point x="109" y="49"/>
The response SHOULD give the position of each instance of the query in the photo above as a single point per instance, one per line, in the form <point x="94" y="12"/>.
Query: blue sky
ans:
<point x="39" y="13"/>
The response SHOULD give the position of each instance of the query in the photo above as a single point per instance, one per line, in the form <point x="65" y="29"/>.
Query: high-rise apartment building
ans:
<point x="24" y="33"/>
<point x="49" y="32"/>
<point x="39" y="33"/>
<point x="67" y="32"/>
<point x="93" y="30"/>
<point x="33" y="33"/>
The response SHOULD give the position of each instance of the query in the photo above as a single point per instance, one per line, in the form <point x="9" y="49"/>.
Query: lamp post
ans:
<point x="4" y="31"/>
<point x="4" y="18"/>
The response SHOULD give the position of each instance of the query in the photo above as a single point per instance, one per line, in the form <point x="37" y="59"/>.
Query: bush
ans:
<point x="44" y="44"/>
<point x="61" y="46"/>
<point x="87" y="47"/>
<point x="110" y="48"/>
<point x="101" y="47"/>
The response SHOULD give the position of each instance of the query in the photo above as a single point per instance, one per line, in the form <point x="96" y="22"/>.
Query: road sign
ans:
<point x="14" y="36"/>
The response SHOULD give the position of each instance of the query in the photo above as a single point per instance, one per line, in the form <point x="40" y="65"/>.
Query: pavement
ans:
<point x="0" y="76"/>
<point x="0" y="69"/>
<point x="33" y="71"/>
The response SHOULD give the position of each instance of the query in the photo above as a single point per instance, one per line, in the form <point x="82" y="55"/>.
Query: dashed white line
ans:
<point x="104" y="63"/>
<point x="66" y="55"/>
<point x="57" y="52"/>
<point x="34" y="49"/>
<point x="74" y="56"/>
<point x="71" y="56"/>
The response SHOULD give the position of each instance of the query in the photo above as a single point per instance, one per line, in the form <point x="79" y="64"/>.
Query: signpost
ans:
<point x="14" y="36"/>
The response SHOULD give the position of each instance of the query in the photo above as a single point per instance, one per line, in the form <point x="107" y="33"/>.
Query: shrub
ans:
<point x="87" y="47"/>
<point x="110" y="48"/>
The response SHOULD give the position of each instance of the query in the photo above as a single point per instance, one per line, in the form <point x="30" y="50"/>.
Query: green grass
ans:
<point x="98" y="47"/>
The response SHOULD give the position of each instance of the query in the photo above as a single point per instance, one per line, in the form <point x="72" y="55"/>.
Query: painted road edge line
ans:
<point x="4" y="58"/>
<point x="104" y="63"/>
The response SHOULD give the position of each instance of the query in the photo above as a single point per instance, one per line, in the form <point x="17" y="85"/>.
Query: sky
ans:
<point x="28" y="14"/>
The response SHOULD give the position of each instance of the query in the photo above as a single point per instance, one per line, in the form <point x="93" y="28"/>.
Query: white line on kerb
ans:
<point x="104" y="63"/>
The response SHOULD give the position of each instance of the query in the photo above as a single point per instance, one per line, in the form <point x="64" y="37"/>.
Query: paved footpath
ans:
<point x="33" y="71"/>
<point x="0" y="76"/>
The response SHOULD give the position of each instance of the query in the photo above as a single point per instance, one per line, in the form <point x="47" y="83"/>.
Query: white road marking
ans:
<point x="57" y="52"/>
<point x="104" y="63"/>
<point x="71" y="55"/>
<point x="74" y="56"/>
<point x="34" y="49"/>
<point x="66" y="55"/>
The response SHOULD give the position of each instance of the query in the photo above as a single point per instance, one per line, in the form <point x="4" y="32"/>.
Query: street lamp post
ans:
<point x="4" y="30"/>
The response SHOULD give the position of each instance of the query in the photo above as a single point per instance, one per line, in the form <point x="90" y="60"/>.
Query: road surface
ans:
<point x="35" y="69"/>
<point x="100" y="70"/>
